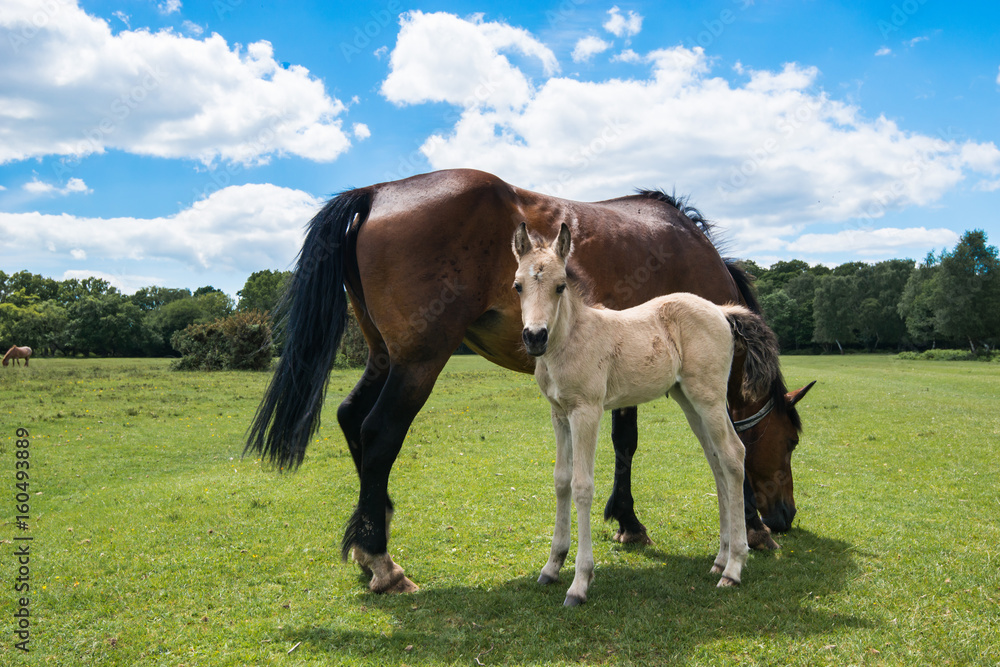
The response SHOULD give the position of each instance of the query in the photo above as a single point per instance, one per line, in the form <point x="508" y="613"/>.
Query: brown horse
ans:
<point x="17" y="353"/>
<point x="427" y="265"/>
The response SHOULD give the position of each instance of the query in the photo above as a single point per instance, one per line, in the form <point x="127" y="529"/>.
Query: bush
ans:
<point x="948" y="355"/>
<point x="353" y="347"/>
<point x="238" y="342"/>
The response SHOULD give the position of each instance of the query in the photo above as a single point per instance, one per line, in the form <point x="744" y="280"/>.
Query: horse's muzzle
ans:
<point x="535" y="342"/>
<point x="779" y="519"/>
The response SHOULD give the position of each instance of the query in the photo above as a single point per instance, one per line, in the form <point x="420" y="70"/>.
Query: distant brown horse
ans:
<point x="427" y="265"/>
<point x="16" y="353"/>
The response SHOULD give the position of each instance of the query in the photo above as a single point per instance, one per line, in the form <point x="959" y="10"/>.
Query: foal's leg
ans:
<point x="405" y="390"/>
<point x="585" y="424"/>
<point x="724" y="452"/>
<point x="563" y="479"/>
<point x="621" y="507"/>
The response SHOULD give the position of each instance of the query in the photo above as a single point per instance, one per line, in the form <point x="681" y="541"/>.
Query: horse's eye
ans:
<point x="561" y="288"/>
<point x="517" y="287"/>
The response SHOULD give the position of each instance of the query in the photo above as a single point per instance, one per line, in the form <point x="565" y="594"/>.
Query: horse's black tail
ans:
<point x="311" y="314"/>
<point x="761" y="367"/>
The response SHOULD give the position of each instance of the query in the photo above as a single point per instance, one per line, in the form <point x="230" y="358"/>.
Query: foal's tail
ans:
<point x="761" y="367"/>
<point x="312" y="313"/>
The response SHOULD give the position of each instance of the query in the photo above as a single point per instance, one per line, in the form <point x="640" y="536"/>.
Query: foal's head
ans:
<point x="541" y="282"/>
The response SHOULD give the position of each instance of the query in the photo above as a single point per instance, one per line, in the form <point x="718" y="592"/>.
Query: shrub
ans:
<point x="353" y="347"/>
<point x="238" y="342"/>
<point x="947" y="355"/>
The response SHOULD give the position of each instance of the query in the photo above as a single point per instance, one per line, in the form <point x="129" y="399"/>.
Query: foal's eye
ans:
<point x="561" y="288"/>
<point x="517" y="287"/>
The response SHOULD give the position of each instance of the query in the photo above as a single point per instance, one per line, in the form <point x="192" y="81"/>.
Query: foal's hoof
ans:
<point x="761" y="540"/>
<point x="629" y="537"/>
<point x="727" y="582"/>
<point x="717" y="569"/>
<point x="573" y="601"/>
<point x="545" y="579"/>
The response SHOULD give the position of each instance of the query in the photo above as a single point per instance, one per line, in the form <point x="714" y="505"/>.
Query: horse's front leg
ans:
<point x="563" y="478"/>
<point x="584" y="423"/>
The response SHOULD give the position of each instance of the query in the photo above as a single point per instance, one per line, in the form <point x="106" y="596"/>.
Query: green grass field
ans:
<point x="155" y="543"/>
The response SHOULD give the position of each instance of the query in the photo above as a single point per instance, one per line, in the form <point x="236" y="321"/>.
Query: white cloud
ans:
<point x="916" y="40"/>
<point x="620" y="25"/>
<point x="361" y="131"/>
<point x="69" y="86"/>
<point x="885" y="241"/>
<point x="169" y="6"/>
<point x="588" y="47"/>
<point x="884" y="51"/>
<point x="765" y="157"/>
<point x="192" y="28"/>
<point x="998" y="78"/>
<point x="123" y="17"/>
<point x="628" y="56"/>
<point x="442" y="58"/>
<point x="73" y="186"/>
<point x="238" y="228"/>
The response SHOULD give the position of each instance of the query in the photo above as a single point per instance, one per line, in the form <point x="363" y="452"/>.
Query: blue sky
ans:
<point x="186" y="144"/>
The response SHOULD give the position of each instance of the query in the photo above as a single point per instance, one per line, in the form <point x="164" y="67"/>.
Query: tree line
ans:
<point x="90" y="316"/>
<point x="951" y="299"/>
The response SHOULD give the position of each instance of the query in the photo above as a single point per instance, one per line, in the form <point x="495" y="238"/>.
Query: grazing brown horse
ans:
<point x="17" y="353"/>
<point x="427" y="265"/>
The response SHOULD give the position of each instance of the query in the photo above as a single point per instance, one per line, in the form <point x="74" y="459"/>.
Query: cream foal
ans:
<point x="589" y="360"/>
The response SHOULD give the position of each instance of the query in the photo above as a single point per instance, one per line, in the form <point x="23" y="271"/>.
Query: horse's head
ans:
<point x="540" y="280"/>
<point x="770" y="443"/>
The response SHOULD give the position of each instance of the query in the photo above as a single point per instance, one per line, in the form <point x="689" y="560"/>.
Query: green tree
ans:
<point x="833" y="310"/>
<point x="966" y="300"/>
<point x="153" y="297"/>
<point x="263" y="290"/>
<point x="916" y="303"/>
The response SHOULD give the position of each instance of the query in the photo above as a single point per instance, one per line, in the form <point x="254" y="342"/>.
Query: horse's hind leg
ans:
<point x="403" y="393"/>
<point x="351" y="415"/>
<point x="621" y="507"/>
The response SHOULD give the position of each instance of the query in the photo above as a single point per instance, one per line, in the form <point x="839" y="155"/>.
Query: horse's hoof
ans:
<point x="717" y="569"/>
<point x="628" y="537"/>
<point x="727" y="582"/>
<point x="761" y="540"/>
<point x="401" y="585"/>
<point x="545" y="579"/>
<point x="573" y="601"/>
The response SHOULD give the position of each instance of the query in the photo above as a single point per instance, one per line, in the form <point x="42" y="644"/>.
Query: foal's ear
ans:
<point x="522" y="242"/>
<point x="563" y="242"/>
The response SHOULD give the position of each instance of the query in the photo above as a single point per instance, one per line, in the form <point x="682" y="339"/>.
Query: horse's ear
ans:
<point x="522" y="242"/>
<point x="793" y="397"/>
<point x="563" y="242"/>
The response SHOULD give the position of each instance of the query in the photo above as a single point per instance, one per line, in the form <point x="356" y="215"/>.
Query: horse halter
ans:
<point x="748" y="423"/>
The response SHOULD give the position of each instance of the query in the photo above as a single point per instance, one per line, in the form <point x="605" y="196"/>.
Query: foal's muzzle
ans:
<point x="535" y="341"/>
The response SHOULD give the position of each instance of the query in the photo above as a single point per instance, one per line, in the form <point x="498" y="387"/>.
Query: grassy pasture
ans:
<point x="154" y="543"/>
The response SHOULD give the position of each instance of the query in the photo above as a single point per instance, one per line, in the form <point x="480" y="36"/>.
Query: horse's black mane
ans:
<point x="682" y="204"/>
<point x="742" y="278"/>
